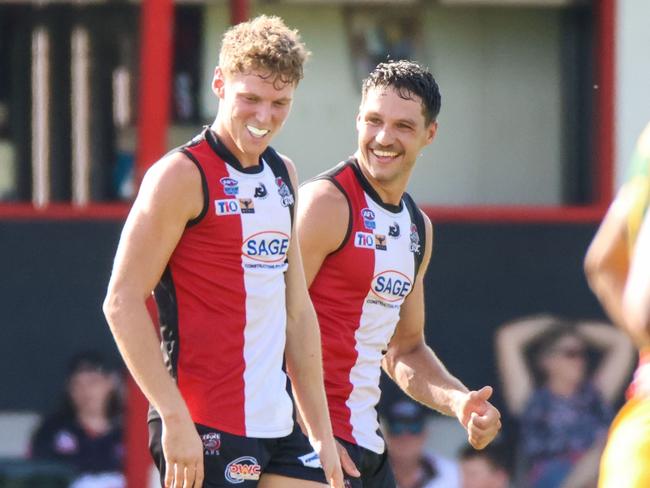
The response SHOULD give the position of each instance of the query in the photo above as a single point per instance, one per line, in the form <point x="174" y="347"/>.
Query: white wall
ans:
<point x="633" y="78"/>
<point x="499" y="136"/>
<point x="499" y="133"/>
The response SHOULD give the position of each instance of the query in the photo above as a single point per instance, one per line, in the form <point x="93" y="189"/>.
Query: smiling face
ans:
<point x="252" y="108"/>
<point x="392" y="133"/>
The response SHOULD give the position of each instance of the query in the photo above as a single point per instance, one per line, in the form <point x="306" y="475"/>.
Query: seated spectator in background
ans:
<point x="406" y="434"/>
<point x="86" y="434"/>
<point x="563" y="405"/>
<point x="488" y="468"/>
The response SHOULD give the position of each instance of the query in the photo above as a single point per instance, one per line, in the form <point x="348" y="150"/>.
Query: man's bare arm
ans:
<point x="169" y="196"/>
<point x="305" y="363"/>
<point x="416" y="369"/>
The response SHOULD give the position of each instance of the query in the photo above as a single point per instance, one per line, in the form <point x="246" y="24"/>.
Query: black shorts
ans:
<point x="374" y="468"/>
<point x="234" y="460"/>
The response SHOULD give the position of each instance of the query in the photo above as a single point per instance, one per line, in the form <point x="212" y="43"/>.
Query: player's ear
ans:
<point x="432" y="129"/>
<point x="218" y="82"/>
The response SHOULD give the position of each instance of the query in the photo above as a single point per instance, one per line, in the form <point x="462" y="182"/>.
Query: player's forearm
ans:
<point x="305" y="367"/>
<point x="609" y="288"/>
<point x="636" y="309"/>
<point x="424" y="378"/>
<point x="138" y="344"/>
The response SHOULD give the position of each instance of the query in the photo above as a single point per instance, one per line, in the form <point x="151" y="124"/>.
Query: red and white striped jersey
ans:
<point x="357" y="295"/>
<point x="222" y="300"/>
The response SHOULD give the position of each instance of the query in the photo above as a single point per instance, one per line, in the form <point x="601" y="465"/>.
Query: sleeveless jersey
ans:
<point x="357" y="295"/>
<point x="221" y="299"/>
<point x="639" y="184"/>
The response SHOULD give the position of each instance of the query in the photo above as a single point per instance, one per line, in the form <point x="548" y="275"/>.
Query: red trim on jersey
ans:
<point x="347" y="273"/>
<point x="206" y="269"/>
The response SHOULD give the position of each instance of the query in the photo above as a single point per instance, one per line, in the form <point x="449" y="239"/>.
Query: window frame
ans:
<point x="602" y="165"/>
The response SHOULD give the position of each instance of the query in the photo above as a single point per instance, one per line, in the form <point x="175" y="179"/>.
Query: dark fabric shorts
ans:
<point x="234" y="460"/>
<point x="374" y="468"/>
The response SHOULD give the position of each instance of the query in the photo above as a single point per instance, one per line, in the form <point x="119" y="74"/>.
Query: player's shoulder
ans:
<point x="324" y="193"/>
<point x="428" y="226"/>
<point x="290" y="165"/>
<point x="174" y="170"/>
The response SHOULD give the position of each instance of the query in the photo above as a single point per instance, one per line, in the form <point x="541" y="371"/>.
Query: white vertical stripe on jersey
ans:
<point x="268" y="408"/>
<point x="377" y="326"/>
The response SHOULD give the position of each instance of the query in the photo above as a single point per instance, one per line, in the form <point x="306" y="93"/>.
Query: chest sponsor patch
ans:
<point x="391" y="285"/>
<point x="268" y="246"/>
<point x="227" y="207"/>
<point x="364" y="240"/>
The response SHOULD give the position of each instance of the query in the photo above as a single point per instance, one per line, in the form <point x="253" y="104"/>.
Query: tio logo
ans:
<point x="365" y="240"/>
<point x="227" y="207"/>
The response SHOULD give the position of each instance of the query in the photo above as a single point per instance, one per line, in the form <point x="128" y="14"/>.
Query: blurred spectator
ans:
<point x="86" y="433"/>
<point x="406" y="434"/>
<point x="488" y="468"/>
<point x="560" y="380"/>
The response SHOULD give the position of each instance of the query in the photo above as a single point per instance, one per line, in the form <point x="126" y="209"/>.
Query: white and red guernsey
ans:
<point x="357" y="295"/>
<point x="221" y="299"/>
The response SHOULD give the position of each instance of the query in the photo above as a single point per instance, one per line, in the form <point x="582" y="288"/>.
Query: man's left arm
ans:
<point x="636" y="296"/>
<point x="416" y="369"/>
<point x="304" y="359"/>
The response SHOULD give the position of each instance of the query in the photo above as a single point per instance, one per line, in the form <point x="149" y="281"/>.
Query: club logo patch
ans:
<point x="211" y="443"/>
<point x="368" y="218"/>
<point x="242" y="469"/>
<point x="391" y="285"/>
<point x="260" y="191"/>
<point x="415" y="239"/>
<point x="246" y="205"/>
<point x="230" y="186"/>
<point x="284" y="192"/>
<point x="393" y="230"/>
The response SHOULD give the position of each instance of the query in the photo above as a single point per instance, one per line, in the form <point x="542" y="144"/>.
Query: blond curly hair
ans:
<point x="266" y="44"/>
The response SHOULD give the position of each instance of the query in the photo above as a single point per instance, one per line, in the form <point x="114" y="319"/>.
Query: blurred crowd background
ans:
<point x="542" y="103"/>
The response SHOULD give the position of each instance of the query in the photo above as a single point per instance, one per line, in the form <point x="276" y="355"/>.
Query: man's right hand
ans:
<point x="346" y="461"/>
<point x="183" y="452"/>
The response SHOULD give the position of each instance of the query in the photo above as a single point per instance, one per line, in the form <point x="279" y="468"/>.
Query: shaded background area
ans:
<point x="54" y="275"/>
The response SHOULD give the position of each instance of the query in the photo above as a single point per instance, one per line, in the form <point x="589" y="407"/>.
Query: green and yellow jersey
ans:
<point x="638" y="184"/>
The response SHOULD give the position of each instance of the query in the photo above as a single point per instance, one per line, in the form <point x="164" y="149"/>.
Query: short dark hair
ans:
<point x="409" y="80"/>
<point x="495" y="454"/>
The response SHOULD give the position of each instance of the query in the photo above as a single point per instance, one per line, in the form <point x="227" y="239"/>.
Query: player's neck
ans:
<point x="389" y="191"/>
<point x="245" y="159"/>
